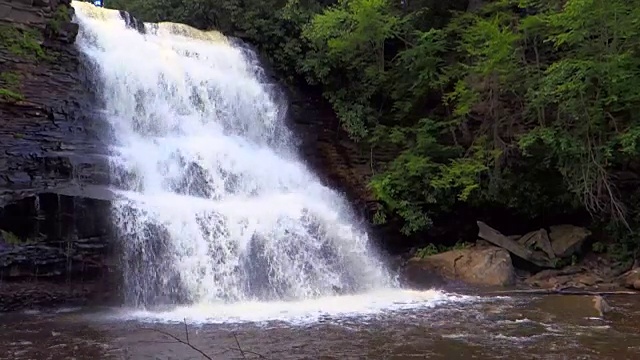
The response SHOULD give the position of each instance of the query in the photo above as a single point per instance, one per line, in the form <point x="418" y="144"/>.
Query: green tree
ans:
<point x="347" y="58"/>
<point x="591" y="95"/>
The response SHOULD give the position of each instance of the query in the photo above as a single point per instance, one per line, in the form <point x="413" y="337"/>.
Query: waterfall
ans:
<point x="213" y="203"/>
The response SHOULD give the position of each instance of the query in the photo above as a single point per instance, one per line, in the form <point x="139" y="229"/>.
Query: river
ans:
<point x="484" y="327"/>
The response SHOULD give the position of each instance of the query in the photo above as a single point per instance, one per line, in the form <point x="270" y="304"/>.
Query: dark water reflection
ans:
<point x="549" y="327"/>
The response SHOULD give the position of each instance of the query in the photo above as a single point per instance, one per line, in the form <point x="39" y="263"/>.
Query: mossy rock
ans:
<point x="9" y="95"/>
<point x="9" y="238"/>
<point x="22" y="42"/>
<point x="10" y="86"/>
<point x="62" y="15"/>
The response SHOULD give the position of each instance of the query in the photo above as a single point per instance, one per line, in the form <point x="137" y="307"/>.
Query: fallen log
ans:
<point x="495" y="237"/>
<point x="563" y="292"/>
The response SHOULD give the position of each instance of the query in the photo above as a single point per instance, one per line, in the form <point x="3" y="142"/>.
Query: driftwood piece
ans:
<point x="495" y="237"/>
<point x="539" y="239"/>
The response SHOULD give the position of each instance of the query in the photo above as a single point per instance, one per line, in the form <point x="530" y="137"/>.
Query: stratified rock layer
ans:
<point x="54" y="210"/>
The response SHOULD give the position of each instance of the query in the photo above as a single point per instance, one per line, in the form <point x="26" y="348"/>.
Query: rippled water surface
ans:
<point x="523" y="327"/>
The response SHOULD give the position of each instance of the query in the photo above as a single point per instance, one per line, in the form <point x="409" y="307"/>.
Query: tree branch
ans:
<point x="177" y="339"/>
<point x="188" y="343"/>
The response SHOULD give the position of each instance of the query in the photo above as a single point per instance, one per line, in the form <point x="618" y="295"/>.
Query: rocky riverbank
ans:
<point x="554" y="260"/>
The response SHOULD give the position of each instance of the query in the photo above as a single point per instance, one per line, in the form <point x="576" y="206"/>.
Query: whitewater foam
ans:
<point x="332" y="308"/>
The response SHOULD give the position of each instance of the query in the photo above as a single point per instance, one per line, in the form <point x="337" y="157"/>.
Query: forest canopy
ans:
<point x="527" y="105"/>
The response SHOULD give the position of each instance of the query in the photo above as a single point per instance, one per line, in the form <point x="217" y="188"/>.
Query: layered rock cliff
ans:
<point x="343" y="164"/>
<point x="54" y="225"/>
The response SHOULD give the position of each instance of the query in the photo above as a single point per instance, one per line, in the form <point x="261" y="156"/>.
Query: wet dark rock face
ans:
<point x="56" y="253"/>
<point x="54" y="207"/>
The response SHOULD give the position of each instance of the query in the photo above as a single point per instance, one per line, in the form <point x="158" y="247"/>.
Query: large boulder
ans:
<point x="486" y="266"/>
<point x="632" y="279"/>
<point x="566" y="240"/>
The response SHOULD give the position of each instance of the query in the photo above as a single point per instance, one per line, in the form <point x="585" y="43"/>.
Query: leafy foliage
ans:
<point x="432" y="249"/>
<point x="347" y="58"/>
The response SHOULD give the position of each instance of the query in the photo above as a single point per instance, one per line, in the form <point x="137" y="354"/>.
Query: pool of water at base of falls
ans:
<point x="510" y="327"/>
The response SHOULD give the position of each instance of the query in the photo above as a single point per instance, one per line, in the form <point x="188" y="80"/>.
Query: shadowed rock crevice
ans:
<point x="132" y="22"/>
<point x="57" y="245"/>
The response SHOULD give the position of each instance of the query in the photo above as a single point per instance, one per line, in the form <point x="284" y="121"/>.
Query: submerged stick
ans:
<point x="188" y="343"/>
<point x="177" y="339"/>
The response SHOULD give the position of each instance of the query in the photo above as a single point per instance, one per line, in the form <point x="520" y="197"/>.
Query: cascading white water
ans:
<point x="217" y="216"/>
<point x="213" y="203"/>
